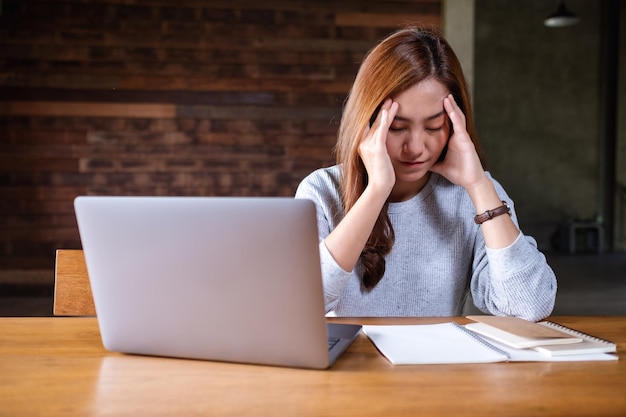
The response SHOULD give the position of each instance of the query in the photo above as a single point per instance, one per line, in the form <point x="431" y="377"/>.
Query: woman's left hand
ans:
<point x="461" y="164"/>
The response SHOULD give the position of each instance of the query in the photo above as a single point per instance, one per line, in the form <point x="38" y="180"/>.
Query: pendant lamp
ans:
<point x="561" y="18"/>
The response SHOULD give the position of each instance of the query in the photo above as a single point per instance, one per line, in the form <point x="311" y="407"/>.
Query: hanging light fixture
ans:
<point x="561" y="18"/>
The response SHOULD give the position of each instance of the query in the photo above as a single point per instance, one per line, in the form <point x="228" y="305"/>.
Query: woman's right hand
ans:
<point x="346" y="242"/>
<point x="373" y="150"/>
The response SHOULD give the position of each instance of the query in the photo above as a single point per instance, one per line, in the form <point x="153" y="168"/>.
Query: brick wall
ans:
<point x="193" y="97"/>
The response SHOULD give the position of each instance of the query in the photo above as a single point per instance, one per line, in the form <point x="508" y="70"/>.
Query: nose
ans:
<point x="413" y="145"/>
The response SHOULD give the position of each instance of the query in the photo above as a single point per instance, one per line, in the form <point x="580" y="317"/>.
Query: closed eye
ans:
<point x="435" y="129"/>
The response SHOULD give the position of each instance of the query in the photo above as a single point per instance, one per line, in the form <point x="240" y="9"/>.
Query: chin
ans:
<point x="414" y="176"/>
<point x="418" y="180"/>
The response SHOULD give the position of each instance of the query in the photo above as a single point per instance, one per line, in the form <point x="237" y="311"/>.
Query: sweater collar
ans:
<point x="428" y="189"/>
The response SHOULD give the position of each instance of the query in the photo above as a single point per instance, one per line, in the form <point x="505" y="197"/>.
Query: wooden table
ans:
<point x="57" y="366"/>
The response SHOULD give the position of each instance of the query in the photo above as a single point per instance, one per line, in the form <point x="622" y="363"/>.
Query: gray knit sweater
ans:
<point x="438" y="257"/>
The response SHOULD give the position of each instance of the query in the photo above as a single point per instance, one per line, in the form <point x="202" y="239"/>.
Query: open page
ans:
<point x="432" y="343"/>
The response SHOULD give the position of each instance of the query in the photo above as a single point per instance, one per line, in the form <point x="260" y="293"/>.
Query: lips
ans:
<point x="412" y="164"/>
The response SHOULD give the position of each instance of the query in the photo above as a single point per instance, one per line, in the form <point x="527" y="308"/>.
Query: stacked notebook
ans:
<point x="487" y="339"/>
<point x="545" y="337"/>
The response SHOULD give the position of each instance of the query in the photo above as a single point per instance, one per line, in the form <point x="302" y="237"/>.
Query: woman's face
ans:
<point x="417" y="136"/>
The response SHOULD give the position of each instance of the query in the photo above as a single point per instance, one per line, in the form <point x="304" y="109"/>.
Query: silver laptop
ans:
<point x="233" y="279"/>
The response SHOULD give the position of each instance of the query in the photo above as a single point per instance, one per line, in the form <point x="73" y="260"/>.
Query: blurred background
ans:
<point x="243" y="98"/>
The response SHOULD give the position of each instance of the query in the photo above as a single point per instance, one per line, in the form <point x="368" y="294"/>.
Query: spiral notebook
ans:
<point x="432" y="344"/>
<point x="519" y="333"/>
<point x="546" y="337"/>
<point x="589" y="344"/>
<point x="451" y="343"/>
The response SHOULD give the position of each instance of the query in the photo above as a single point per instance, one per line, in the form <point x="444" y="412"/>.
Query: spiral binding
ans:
<point x="480" y="340"/>
<point x="576" y="332"/>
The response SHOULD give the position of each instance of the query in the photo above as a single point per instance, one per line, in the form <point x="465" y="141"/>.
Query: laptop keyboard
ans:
<point x="332" y="341"/>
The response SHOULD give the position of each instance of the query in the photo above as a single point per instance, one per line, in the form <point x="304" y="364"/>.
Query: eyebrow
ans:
<point x="434" y="116"/>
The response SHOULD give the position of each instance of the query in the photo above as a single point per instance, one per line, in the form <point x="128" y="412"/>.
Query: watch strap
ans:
<point x="490" y="214"/>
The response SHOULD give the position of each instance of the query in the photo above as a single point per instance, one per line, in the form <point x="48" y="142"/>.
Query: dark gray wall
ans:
<point x="621" y="132"/>
<point x="537" y="109"/>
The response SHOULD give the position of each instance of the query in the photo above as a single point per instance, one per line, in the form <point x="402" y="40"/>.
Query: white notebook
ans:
<point x="431" y="344"/>
<point x="449" y="343"/>
<point x="519" y="333"/>
<point x="589" y="344"/>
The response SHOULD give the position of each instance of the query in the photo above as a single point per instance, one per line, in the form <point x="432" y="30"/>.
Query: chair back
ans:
<point x="72" y="290"/>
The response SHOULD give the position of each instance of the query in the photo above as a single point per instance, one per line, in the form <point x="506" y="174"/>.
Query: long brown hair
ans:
<point x="401" y="60"/>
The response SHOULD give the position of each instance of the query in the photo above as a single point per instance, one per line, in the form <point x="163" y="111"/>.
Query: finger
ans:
<point x="388" y="113"/>
<point x="379" y="112"/>
<point x="454" y="113"/>
<point x="393" y="110"/>
<point x="456" y="107"/>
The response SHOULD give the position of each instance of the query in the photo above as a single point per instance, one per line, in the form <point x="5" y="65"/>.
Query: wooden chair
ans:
<point x="72" y="290"/>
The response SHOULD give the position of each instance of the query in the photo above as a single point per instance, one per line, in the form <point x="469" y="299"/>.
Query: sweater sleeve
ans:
<point x="320" y="187"/>
<point x="334" y="278"/>
<point x="513" y="281"/>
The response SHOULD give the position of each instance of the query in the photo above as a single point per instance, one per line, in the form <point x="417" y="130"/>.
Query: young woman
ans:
<point x="409" y="221"/>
